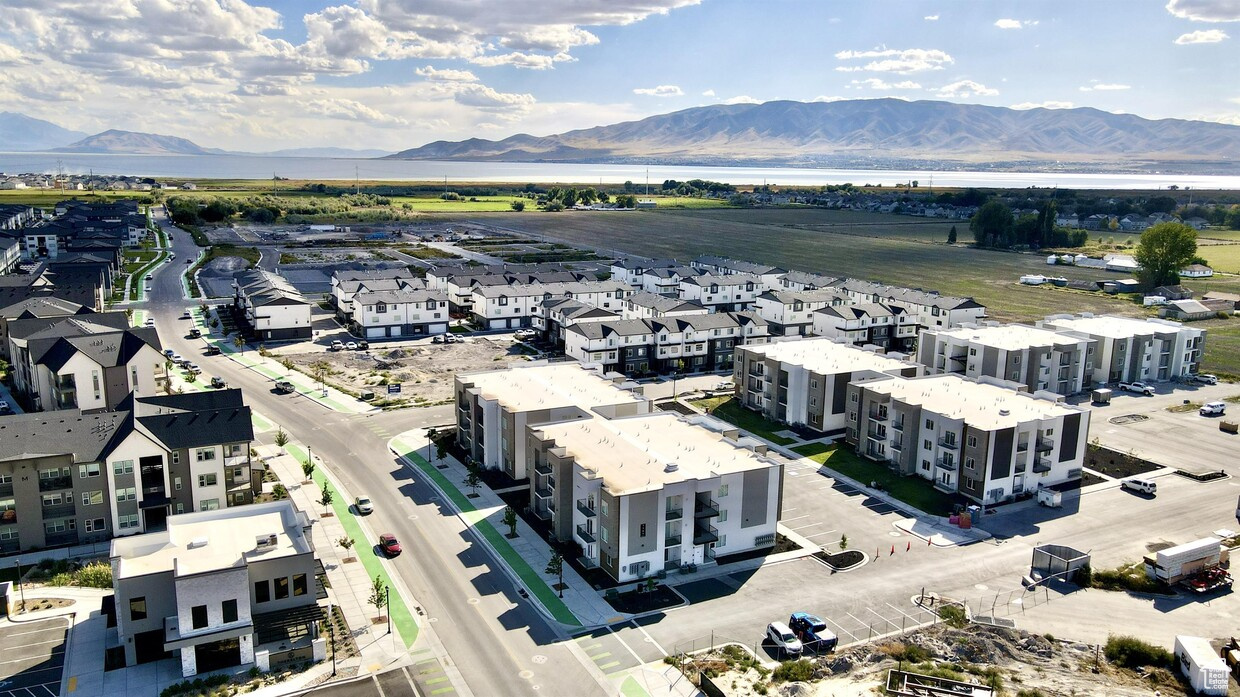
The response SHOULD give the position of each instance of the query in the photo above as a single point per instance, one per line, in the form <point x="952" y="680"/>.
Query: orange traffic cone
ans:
<point x="910" y="546"/>
<point x="893" y="550"/>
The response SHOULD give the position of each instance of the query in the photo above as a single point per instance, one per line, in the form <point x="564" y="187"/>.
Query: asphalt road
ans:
<point x="497" y="641"/>
<point x="32" y="656"/>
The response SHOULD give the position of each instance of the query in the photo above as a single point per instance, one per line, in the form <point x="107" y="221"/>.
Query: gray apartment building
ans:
<point x="1040" y="359"/>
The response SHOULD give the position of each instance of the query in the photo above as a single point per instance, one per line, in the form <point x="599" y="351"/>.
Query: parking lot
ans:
<point x="32" y="656"/>
<point x="821" y="509"/>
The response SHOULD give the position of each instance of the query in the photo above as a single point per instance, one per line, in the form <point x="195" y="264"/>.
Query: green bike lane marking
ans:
<point x="141" y="276"/>
<point x="631" y="688"/>
<point x="363" y="549"/>
<point x="531" y="578"/>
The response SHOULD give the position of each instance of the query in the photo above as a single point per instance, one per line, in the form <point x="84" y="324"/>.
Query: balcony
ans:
<point x="944" y="487"/>
<point x="672" y="540"/>
<point x="945" y="464"/>
<point x="6" y="489"/>
<point x="674" y="514"/>
<point x="710" y="553"/>
<point x="705" y="534"/>
<point x="586" y="508"/>
<point x="951" y="443"/>
<point x="1041" y="465"/>
<point x="1022" y="447"/>
<point x="879" y="434"/>
<point x="60" y="539"/>
<point x="237" y="461"/>
<point x="878" y="414"/>
<point x="1044" y="445"/>
<point x="898" y="424"/>
<point x="588" y="563"/>
<point x="54" y="483"/>
<point x="585" y="534"/>
<point x="544" y="492"/>
<point x="543" y="469"/>
<point x="60" y="510"/>
<point x="705" y="508"/>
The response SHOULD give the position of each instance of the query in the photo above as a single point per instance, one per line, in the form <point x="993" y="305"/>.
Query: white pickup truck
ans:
<point x="1138" y="387"/>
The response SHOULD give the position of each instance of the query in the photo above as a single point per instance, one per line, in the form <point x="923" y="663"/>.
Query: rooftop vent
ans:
<point x="1004" y="412"/>
<point x="671" y="467"/>
<point x="198" y="542"/>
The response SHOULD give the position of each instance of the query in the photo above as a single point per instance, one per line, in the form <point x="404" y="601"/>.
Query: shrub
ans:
<point x="61" y="579"/>
<point x="1131" y="652"/>
<point x="800" y="670"/>
<point x="953" y="615"/>
<point x="1030" y="693"/>
<point x="96" y="575"/>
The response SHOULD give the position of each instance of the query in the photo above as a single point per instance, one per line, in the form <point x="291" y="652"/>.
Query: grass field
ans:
<point x="730" y="410"/>
<point x="914" y="491"/>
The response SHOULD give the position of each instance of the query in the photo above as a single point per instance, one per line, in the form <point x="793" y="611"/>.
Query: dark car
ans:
<point x="363" y="345"/>
<point x="389" y="545"/>
<point x="218" y="382"/>
<point x="189" y="261"/>
<point x="213" y="350"/>
<point x="812" y="632"/>
<point x="195" y="333"/>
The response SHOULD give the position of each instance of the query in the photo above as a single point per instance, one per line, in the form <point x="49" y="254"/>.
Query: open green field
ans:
<point x="913" y="490"/>
<point x="729" y="409"/>
<point x="46" y="198"/>
<point x="840" y="222"/>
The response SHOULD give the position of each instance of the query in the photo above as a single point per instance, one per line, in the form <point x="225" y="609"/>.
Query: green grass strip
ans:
<point x="631" y="688"/>
<point x="533" y="580"/>
<point x="363" y="549"/>
<point x="135" y="293"/>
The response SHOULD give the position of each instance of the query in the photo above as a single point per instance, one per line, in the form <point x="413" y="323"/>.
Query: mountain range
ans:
<point x="880" y="132"/>
<point x="21" y="133"/>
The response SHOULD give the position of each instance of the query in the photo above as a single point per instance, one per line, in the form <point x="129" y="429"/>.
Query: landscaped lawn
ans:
<point x="730" y="410"/>
<point x="912" y="490"/>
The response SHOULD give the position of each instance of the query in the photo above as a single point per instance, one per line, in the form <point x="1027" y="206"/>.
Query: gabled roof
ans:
<point x="620" y="327"/>
<point x="262" y="287"/>
<point x="787" y="297"/>
<point x="737" y="279"/>
<point x="380" y="285"/>
<point x="634" y="264"/>
<point x="806" y="278"/>
<point x="43" y="306"/>
<point x="863" y="310"/>
<point x="85" y="436"/>
<point x="663" y="304"/>
<point x="343" y="275"/>
<point x="106" y="349"/>
<point x="397" y="297"/>
<point x="735" y="265"/>
<point x="45" y="327"/>
<point x="193" y="420"/>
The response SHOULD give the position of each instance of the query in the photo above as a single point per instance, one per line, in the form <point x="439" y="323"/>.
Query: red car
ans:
<point x="389" y="545"/>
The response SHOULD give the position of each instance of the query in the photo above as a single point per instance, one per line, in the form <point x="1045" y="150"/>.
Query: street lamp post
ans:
<point x="20" y="588"/>
<point x="387" y="602"/>
<point x="331" y="631"/>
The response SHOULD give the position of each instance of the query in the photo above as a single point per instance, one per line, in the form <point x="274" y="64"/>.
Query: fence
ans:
<point x="1003" y="604"/>
<point x="28" y="559"/>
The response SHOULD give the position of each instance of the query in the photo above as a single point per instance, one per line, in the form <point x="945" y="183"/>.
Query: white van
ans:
<point x="1143" y="486"/>
<point x="1213" y="409"/>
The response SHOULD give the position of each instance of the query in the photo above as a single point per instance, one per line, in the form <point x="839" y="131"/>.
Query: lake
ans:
<point x="260" y="167"/>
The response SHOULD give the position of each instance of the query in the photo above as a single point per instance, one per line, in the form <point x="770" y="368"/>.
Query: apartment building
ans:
<point x="219" y="589"/>
<point x="890" y="327"/>
<point x="71" y="477"/>
<point x="666" y="281"/>
<point x="805" y="381"/>
<point x="804" y="280"/>
<point x="1039" y="359"/>
<point x="10" y="254"/>
<point x="87" y="361"/>
<point x="35" y="307"/>
<point x="931" y="309"/>
<point x="643" y="305"/>
<point x="553" y="317"/>
<point x="1129" y="349"/>
<point x="272" y="309"/>
<point x="680" y="343"/>
<point x="347" y="283"/>
<point x="723" y="266"/>
<point x="982" y="440"/>
<point x="461" y="283"/>
<point x="730" y="293"/>
<point x="395" y="314"/>
<point x="514" y="306"/>
<point x="494" y="407"/>
<point x="791" y="312"/>
<point x="645" y="493"/>
<point x="631" y="271"/>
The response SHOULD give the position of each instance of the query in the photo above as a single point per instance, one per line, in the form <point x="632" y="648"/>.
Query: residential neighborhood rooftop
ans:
<point x="1111" y="326"/>
<point x="1010" y="337"/>
<point x="550" y="386"/>
<point x="979" y="404"/>
<point x="826" y="357"/>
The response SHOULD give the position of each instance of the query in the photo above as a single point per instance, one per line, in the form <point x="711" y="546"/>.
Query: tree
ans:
<point x="843" y="541"/>
<point x="1159" y="204"/>
<point x="307" y="468"/>
<point x="555" y="567"/>
<point x="518" y="206"/>
<point x="1164" y="249"/>
<point x="281" y="438"/>
<point x="626" y="201"/>
<point x="992" y="225"/>
<point x="473" y="480"/>
<point x="325" y="495"/>
<point x="510" y="519"/>
<point x="570" y="198"/>
<point x="346" y="543"/>
<point x="378" y="595"/>
<point x="239" y="342"/>
<point x="951" y="235"/>
<point x="628" y="186"/>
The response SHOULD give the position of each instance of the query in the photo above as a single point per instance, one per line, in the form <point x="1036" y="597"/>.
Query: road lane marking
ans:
<point x="626" y="646"/>
<point x="648" y="637"/>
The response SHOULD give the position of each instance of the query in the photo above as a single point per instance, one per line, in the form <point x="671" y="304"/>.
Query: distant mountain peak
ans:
<point x="22" y="133"/>
<point x="131" y="142"/>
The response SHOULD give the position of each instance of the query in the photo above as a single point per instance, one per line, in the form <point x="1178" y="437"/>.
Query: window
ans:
<point x="723" y="515"/>
<point x="91" y="470"/>
<point x="54" y="473"/>
<point x="925" y="465"/>
<point x="52" y="527"/>
<point x="92" y="498"/>
<point x="972" y="440"/>
<point x="1050" y="431"/>
<point x="209" y="505"/>
<point x="723" y="491"/>
<point x="642" y="530"/>
<point x="970" y="463"/>
<point x="927" y="444"/>
<point x="723" y="541"/>
<point x="282" y="588"/>
<point x="137" y="609"/>
<point x="262" y="591"/>
<point x="852" y="397"/>
<point x="238" y="474"/>
<point x="603" y="534"/>
<point x="180" y="508"/>
<point x="9" y="534"/>
<point x="122" y="467"/>
<point x="125" y="522"/>
<point x="199" y="614"/>
<point x="299" y="584"/>
<point x="207" y="479"/>
<point x="94" y="378"/>
<point x="969" y="482"/>
<point x="96" y="525"/>
<point x="204" y="454"/>
<point x="176" y="483"/>
<point x="126" y="494"/>
<point x="176" y="457"/>
<point x="53" y="499"/>
<point x="929" y="425"/>
<point x="229" y="610"/>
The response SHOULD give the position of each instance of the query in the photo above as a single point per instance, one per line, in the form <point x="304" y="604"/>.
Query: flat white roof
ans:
<point x="1113" y="327"/>
<point x="826" y="357"/>
<point x="527" y="388"/>
<point x="981" y="405"/>
<point x="1011" y="337"/>
<point x="631" y="454"/>
<point x="207" y="541"/>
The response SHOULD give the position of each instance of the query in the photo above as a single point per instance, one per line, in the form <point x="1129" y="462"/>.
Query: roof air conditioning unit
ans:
<point x="265" y="541"/>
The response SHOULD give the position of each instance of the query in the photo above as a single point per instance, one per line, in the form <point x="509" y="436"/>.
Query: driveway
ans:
<point x="32" y="656"/>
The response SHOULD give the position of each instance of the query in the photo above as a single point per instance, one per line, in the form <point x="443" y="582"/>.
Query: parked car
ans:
<point x="1137" y="387"/>
<point x="284" y="387"/>
<point x="336" y="346"/>
<point x="195" y="333"/>
<point x="1143" y="486"/>
<point x="364" y="505"/>
<point x="218" y="383"/>
<point x="725" y="385"/>
<point x="389" y="545"/>
<point x="188" y="262"/>
<point x="169" y="353"/>
<point x="1205" y="379"/>
<point x="812" y="632"/>
<point x="363" y="345"/>
<point x="5" y="409"/>
<point x="185" y="315"/>
<point x="437" y="339"/>
<point x="785" y="641"/>
<point x="176" y="358"/>
<point x="150" y="322"/>
<point x="1213" y="409"/>
<point x="213" y="350"/>
<point x="523" y="334"/>
<point x="352" y="346"/>
<point x="192" y="368"/>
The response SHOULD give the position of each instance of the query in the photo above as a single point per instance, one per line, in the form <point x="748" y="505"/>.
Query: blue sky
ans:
<point x="243" y="74"/>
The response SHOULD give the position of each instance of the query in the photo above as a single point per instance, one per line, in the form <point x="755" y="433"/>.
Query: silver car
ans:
<point x="364" y="505"/>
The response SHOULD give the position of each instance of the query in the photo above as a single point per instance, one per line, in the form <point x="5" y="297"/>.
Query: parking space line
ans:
<point x="648" y="637"/>
<point x="817" y="534"/>
<point x="810" y="525"/>
<point x="597" y="656"/>
<point x="841" y="628"/>
<point x="785" y="520"/>
<point x="605" y="666"/>
<point x="626" y="646"/>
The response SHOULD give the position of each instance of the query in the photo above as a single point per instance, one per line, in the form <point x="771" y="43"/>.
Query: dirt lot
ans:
<point x="423" y="369"/>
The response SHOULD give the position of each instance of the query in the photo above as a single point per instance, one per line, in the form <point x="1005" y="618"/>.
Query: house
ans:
<point x="803" y="280"/>
<point x="930" y="309"/>
<point x="1196" y="271"/>
<point x="723" y="293"/>
<point x="722" y="266"/>
<point x="1173" y="292"/>
<point x="804" y="381"/>
<point x="1121" y="263"/>
<point x="220" y="588"/>
<point x="986" y="442"/>
<point x="33" y="307"/>
<point x="1232" y="298"/>
<point x="1187" y="311"/>
<point x="643" y="305"/>
<point x="1040" y="359"/>
<point x="16" y="216"/>
<point x="10" y="254"/>
<point x="73" y="477"/>
<point x="666" y="281"/>
<point x="645" y="493"/>
<point x="512" y="306"/>
<point x="555" y="315"/>
<point x="1128" y="350"/>
<point x="673" y="344"/>
<point x="494" y="407"/>
<point x="890" y="327"/>
<point x="791" y="312"/>
<point x="394" y="314"/>
<point x="270" y="307"/>
<point x="347" y="283"/>
<point x="632" y="271"/>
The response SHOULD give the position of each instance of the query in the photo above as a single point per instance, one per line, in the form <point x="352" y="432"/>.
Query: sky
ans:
<point x="395" y="74"/>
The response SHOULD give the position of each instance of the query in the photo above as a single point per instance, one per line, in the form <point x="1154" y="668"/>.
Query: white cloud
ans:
<point x="931" y="18"/>
<point x="1204" y="36"/>
<point x="487" y="98"/>
<point x="962" y="89"/>
<point x="660" y="91"/>
<point x="1015" y="23"/>
<point x="1051" y="104"/>
<point x="1205" y="10"/>
<point x="899" y="61"/>
<point x="825" y="98"/>
<point x="877" y="84"/>
<point x="1096" y="86"/>
<point x="446" y="75"/>
<point x="352" y="111"/>
<point x="708" y="93"/>
<point x="10" y="55"/>
<point x="517" y="59"/>
<point x="742" y="99"/>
